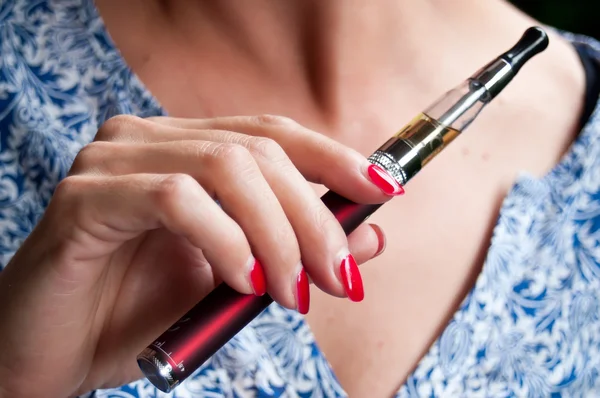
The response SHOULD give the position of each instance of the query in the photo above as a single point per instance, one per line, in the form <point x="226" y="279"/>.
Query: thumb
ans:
<point x="366" y="242"/>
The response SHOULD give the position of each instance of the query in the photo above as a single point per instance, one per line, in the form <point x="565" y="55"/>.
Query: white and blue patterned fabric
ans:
<point x="529" y="327"/>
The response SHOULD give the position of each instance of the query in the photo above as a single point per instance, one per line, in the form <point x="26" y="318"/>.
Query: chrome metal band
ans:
<point x="494" y="77"/>
<point x="388" y="163"/>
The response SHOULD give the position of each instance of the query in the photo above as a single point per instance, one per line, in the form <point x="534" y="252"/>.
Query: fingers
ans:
<point x="261" y="189"/>
<point x="283" y="219"/>
<point x="97" y="214"/>
<point x="319" y="159"/>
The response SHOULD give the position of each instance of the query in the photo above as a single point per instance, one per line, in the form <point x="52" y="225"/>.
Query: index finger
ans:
<point x="320" y="159"/>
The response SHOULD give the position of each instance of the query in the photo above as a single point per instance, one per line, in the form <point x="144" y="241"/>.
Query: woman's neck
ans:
<point x="328" y="60"/>
<point x="323" y="43"/>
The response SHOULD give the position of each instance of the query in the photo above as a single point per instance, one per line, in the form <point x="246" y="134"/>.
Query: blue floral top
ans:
<point x="529" y="327"/>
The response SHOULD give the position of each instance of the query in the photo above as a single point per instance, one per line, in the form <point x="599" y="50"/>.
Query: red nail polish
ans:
<point x="384" y="181"/>
<point x="257" y="279"/>
<point x="302" y="292"/>
<point x="351" y="279"/>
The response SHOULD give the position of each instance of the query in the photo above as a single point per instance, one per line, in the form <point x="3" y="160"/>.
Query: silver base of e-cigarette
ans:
<point x="388" y="163"/>
<point x="157" y="370"/>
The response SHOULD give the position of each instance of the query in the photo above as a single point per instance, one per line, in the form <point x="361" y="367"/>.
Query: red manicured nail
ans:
<point x="257" y="279"/>
<point x="384" y="181"/>
<point x="302" y="292"/>
<point x="351" y="279"/>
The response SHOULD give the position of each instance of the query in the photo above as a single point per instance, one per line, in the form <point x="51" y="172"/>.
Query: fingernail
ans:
<point x="384" y="181"/>
<point x="351" y="278"/>
<point x="380" y="239"/>
<point x="302" y="292"/>
<point x="257" y="278"/>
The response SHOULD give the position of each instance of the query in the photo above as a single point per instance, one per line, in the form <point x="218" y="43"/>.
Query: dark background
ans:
<point x="577" y="16"/>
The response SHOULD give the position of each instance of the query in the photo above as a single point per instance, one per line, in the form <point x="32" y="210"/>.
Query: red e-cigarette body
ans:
<point x="214" y="321"/>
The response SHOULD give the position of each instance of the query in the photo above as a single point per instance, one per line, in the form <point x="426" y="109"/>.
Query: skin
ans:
<point x="354" y="71"/>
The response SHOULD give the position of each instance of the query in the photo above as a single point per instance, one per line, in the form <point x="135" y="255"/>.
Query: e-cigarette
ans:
<point x="209" y="325"/>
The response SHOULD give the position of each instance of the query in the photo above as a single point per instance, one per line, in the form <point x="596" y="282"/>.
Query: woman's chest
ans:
<point x="438" y="238"/>
<point x="437" y="235"/>
<point x="529" y="320"/>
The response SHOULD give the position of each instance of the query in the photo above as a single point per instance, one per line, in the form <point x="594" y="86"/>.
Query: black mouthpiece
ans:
<point x="533" y="42"/>
<point x="496" y="75"/>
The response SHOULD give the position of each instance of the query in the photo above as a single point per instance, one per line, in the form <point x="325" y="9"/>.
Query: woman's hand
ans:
<point x="133" y="238"/>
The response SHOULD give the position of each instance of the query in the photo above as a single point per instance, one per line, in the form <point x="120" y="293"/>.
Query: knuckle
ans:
<point x="268" y="149"/>
<point x="68" y="188"/>
<point x="68" y="196"/>
<point x="285" y="234"/>
<point x="117" y="126"/>
<point x="172" y="189"/>
<point x="275" y="120"/>
<point x="284" y="250"/>
<point x="90" y="155"/>
<point x="232" y="155"/>
<point x="232" y="163"/>
<point x="198" y="149"/>
<point x="324" y="220"/>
